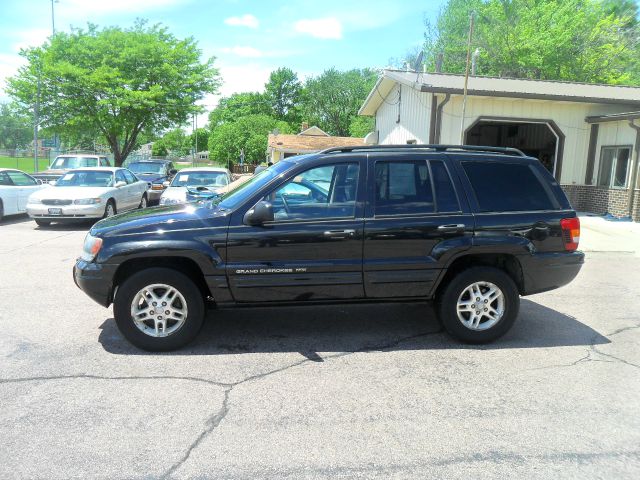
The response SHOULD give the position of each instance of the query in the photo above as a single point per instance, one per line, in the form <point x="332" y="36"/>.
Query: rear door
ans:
<point x="415" y="222"/>
<point x="124" y="193"/>
<point x="313" y="248"/>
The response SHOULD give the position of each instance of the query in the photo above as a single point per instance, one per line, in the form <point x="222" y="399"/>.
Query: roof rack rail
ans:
<point x="436" y="148"/>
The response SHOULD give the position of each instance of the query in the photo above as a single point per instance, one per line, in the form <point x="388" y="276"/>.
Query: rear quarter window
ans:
<point x="507" y="187"/>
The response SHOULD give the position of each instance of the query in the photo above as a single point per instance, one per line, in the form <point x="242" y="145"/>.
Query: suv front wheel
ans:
<point x="479" y="305"/>
<point x="159" y="309"/>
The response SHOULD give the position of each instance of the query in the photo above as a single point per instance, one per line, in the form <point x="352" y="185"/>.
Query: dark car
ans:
<point x="470" y="227"/>
<point x="156" y="173"/>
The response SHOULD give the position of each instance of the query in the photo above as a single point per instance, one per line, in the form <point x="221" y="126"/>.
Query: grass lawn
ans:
<point x="24" y="164"/>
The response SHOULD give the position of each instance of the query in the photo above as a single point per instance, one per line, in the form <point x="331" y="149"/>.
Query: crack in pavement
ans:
<point x="217" y="418"/>
<point x="103" y="377"/>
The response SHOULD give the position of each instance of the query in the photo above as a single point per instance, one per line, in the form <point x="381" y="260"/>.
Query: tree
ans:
<point x="115" y="81"/>
<point x="202" y="137"/>
<point x="574" y="40"/>
<point x="332" y="100"/>
<point x="16" y="129"/>
<point x="360" y="126"/>
<point x="229" y="109"/>
<point x="283" y="92"/>
<point x="247" y="133"/>
<point x="175" y="142"/>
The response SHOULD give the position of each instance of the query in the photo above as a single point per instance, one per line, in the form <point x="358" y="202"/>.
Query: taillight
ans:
<point x="570" y="233"/>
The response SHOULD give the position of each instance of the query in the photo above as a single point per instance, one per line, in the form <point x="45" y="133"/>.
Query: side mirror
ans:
<point x="166" y="184"/>
<point x="261" y="213"/>
<point x="38" y="181"/>
<point x="173" y="171"/>
<point x="120" y="184"/>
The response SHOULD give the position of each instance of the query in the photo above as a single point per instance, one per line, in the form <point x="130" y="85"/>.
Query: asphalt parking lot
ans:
<point x="360" y="391"/>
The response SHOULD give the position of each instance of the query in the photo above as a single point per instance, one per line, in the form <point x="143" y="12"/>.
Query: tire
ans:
<point x="42" y="223"/>
<point x="143" y="201"/>
<point x="110" y="209"/>
<point x="142" y="334"/>
<point x="481" y="328"/>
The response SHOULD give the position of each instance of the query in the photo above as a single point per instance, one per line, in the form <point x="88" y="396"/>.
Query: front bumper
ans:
<point x="546" y="271"/>
<point x="41" y="211"/>
<point x="96" y="280"/>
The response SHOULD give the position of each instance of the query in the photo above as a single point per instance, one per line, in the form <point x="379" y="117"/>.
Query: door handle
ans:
<point x="452" y="228"/>
<point x="339" y="233"/>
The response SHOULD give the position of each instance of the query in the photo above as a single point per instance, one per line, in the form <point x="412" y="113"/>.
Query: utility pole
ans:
<point x="53" y="22"/>
<point x="36" y="122"/>
<point x="195" y="132"/>
<point x="466" y="78"/>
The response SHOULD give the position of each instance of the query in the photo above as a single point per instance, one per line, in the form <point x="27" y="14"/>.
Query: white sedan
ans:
<point x="88" y="193"/>
<point x="191" y="184"/>
<point x="15" y="188"/>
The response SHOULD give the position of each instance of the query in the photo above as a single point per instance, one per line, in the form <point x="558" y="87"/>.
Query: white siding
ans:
<point x="413" y="109"/>
<point x="569" y="116"/>
<point x="612" y="134"/>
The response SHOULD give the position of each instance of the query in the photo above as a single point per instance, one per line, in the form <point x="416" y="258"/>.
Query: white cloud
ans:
<point x="325" y="28"/>
<point x="247" y="20"/>
<point x="241" y="51"/>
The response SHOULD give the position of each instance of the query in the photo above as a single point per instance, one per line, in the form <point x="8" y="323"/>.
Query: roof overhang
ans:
<point x="499" y="87"/>
<point x="614" y="117"/>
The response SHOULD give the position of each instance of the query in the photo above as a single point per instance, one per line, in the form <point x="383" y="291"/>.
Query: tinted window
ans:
<point x="403" y="188"/>
<point x="445" y="194"/>
<point x="322" y="192"/>
<point x="131" y="178"/>
<point x="506" y="187"/>
<point x="120" y="177"/>
<point x="20" y="179"/>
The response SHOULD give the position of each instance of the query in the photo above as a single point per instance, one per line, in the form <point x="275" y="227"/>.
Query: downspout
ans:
<point x="633" y="183"/>
<point x="447" y="97"/>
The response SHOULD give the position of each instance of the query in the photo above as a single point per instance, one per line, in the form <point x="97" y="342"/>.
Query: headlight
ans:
<point x="90" y="248"/>
<point x="34" y="201"/>
<point x="87" y="201"/>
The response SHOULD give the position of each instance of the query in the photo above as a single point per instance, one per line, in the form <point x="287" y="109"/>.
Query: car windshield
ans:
<point x="68" y="163"/>
<point x="146" y="167"/>
<point x="238" y="195"/>
<point x="86" y="178"/>
<point x="200" y="179"/>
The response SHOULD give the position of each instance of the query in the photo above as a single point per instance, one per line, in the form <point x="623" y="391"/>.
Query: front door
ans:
<point x="313" y="248"/>
<point x="414" y="216"/>
<point x="25" y="186"/>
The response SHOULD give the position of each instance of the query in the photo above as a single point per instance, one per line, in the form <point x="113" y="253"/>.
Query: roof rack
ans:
<point x="436" y="148"/>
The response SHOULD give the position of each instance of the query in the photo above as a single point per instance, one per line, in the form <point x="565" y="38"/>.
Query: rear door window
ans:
<point x="403" y="188"/>
<point x="446" y="198"/>
<point x="507" y="187"/>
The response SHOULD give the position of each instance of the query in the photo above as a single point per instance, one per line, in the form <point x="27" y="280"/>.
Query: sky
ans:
<point x="249" y="38"/>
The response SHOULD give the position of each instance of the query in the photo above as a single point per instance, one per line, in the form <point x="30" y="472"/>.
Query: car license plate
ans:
<point x="55" y="211"/>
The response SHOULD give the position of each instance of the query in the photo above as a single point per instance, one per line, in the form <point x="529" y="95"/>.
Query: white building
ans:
<point x="586" y="135"/>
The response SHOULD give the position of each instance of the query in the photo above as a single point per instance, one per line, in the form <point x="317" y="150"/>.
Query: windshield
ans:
<point x="200" y="179"/>
<point x="86" y="178"/>
<point x="146" y="167"/>
<point x="68" y="163"/>
<point x="238" y="195"/>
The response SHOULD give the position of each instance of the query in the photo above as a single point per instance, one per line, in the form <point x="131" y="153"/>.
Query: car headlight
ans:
<point x="87" y="201"/>
<point x="90" y="248"/>
<point x="34" y="201"/>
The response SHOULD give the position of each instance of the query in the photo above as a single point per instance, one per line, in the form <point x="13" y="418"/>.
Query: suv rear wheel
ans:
<point x="159" y="309"/>
<point x="479" y="305"/>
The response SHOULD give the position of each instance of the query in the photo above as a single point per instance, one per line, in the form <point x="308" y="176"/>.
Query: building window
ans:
<point x="614" y="165"/>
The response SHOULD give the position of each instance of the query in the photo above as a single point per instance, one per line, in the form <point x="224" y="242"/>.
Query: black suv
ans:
<point x="471" y="227"/>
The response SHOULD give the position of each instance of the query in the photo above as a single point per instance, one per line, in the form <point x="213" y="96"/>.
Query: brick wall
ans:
<point x="600" y="200"/>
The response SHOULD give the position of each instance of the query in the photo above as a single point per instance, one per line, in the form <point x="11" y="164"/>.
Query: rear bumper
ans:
<point x="154" y="195"/>
<point x="546" y="271"/>
<point x="95" y="280"/>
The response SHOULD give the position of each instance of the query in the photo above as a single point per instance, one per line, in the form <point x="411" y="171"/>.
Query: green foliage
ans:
<point x="574" y="40"/>
<point x="238" y="105"/>
<point x="360" y="126"/>
<point x="115" y="81"/>
<point x="16" y="128"/>
<point x="202" y="135"/>
<point x="283" y="91"/>
<point x="332" y="99"/>
<point x="248" y="133"/>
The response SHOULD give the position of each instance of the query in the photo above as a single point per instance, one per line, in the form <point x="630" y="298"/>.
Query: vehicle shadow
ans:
<point x="75" y="226"/>
<point x="357" y="327"/>
<point x="15" y="219"/>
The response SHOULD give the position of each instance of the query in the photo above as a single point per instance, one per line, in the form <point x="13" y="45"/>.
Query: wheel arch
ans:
<point x="507" y="262"/>
<point x="184" y="265"/>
